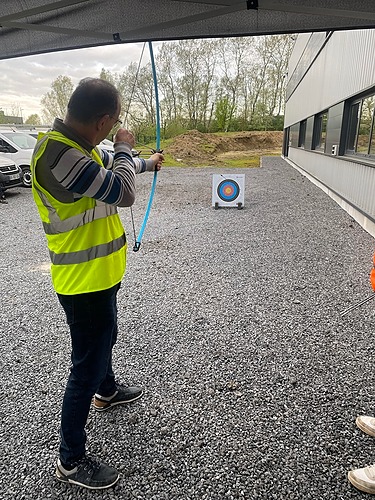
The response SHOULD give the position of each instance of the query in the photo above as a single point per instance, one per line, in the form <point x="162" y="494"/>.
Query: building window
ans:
<point x="353" y="127"/>
<point x="309" y="132"/>
<point x="294" y="135"/>
<point x="302" y="134"/>
<point x="361" y="138"/>
<point x="320" y="131"/>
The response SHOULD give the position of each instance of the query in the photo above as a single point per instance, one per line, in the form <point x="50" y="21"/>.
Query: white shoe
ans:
<point x="363" y="479"/>
<point x="366" y="424"/>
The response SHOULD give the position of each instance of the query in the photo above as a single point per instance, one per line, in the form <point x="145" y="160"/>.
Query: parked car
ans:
<point x="107" y="145"/>
<point x="33" y="133"/>
<point x="10" y="174"/>
<point x="18" y="146"/>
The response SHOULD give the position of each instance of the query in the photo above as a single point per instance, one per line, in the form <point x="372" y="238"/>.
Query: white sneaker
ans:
<point x="363" y="479"/>
<point x="366" y="424"/>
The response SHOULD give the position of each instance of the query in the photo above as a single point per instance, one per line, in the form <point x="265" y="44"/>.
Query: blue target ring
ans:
<point x="228" y="190"/>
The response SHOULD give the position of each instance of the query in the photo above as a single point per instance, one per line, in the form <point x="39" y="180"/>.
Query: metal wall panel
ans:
<point x="354" y="182"/>
<point x="344" y="67"/>
<point x="298" y="49"/>
<point x="310" y="51"/>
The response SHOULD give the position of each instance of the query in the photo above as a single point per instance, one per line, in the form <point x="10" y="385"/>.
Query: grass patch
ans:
<point x="248" y="162"/>
<point x="146" y="148"/>
<point x="169" y="161"/>
<point x="197" y="154"/>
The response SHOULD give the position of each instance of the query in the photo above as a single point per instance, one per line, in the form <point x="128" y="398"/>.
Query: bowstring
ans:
<point x="134" y="84"/>
<point x="126" y="116"/>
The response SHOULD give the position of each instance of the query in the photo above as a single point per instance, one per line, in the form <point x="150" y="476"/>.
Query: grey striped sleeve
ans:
<point x="141" y="165"/>
<point x="82" y="175"/>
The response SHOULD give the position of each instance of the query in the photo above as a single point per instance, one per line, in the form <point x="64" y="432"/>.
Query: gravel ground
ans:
<point x="230" y="320"/>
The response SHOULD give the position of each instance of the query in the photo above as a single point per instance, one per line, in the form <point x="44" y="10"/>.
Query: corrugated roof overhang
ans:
<point x="38" y="26"/>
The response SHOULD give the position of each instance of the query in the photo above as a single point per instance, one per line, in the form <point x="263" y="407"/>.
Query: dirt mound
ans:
<point x="196" y="148"/>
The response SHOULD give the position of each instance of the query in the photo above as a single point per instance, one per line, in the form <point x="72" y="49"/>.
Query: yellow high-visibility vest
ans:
<point x="86" y="239"/>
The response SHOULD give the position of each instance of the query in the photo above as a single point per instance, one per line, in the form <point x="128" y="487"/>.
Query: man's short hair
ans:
<point x="93" y="98"/>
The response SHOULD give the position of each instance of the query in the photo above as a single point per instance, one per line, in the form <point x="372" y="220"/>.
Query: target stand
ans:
<point x="228" y="190"/>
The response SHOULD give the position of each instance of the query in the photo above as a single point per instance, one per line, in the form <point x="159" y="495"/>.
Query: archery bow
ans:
<point x="138" y="240"/>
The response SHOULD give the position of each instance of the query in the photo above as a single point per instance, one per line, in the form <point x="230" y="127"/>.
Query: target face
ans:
<point x="228" y="190"/>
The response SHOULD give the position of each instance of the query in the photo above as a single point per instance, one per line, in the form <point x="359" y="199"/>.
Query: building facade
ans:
<point x="17" y="120"/>
<point x="329" y="131"/>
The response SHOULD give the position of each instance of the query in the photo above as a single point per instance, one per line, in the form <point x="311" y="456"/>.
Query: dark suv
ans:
<point x="10" y="174"/>
<point x="18" y="146"/>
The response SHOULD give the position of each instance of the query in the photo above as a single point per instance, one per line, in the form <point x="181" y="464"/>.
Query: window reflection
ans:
<point x="361" y="139"/>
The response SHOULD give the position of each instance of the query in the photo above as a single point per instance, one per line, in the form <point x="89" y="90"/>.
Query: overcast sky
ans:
<point x="24" y="80"/>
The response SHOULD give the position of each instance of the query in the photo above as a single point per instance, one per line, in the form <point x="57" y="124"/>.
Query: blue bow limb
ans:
<point x="138" y="241"/>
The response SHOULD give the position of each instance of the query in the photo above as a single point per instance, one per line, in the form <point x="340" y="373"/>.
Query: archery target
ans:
<point x="228" y="190"/>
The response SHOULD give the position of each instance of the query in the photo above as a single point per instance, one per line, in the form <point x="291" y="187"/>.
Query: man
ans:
<point x="77" y="199"/>
<point x="364" y="479"/>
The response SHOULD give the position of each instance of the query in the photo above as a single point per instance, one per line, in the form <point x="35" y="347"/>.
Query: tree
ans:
<point x="224" y="84"/>
<point x="16" y="110"/>
<point x="223" y="113"/>
<point x="235" y="59"/>
<point x="56" y="101"/>
<point x="196" y="63"/>
<point x="33" y="119"/>
<point x="137" y="92"/>
<point x="269" y="83"/>
<point x="168" y="85"/>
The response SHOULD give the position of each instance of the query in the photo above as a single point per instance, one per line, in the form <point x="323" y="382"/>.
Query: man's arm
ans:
<point x="124" y="136"/>
<point x="140" y="164"/>
<point x="81" y="175"/>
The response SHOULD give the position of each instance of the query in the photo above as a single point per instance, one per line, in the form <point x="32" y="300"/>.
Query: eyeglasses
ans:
<point x="117" y="122"/>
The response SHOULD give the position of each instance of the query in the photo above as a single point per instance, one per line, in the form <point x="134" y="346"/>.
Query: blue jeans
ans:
<point x="92" y="319"/>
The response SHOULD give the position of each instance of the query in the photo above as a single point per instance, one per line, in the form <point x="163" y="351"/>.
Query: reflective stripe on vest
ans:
<point x="58" y="226"/>
<point x="62" y="259"/>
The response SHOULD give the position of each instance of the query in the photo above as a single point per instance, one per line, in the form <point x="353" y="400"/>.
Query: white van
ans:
<point x="106" y="144"/>
<point x="18" y="146"/>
